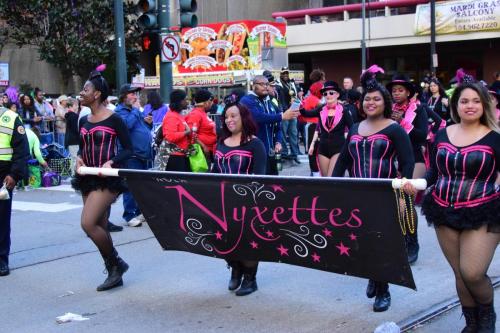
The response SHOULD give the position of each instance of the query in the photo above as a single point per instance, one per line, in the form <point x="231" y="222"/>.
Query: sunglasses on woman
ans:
<point x="329" y="92"/>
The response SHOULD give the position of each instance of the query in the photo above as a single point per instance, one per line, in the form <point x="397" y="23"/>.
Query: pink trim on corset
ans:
<point x="93" y="153"/>
<point x="382" y="158"/>
<point x="353" y="167"/>
<point x="103" y="129"/>
<point x="236" y="152"/>
<point x="109" y="147"/>
<point x="356" y="138"/>
<point x="359" y="160"/>
<point x="323" y="114"/>
<point x="439" y="173"/>
<point x="467" y="204"/>
<point x="371" y="156"/>
<point x="100" y="152"/>
<point x="249" y="164"/>
<point x="477" y="175"/>
<point x="463" y="178"/>
<point x="449" y="176"/>
<point x="378" y="137"/>
<point x="390" y="163"/>
<point x="485" y="149"/>
<point x="493" y="169"/>
<point x="239" y="167"/>
<point x="447" y="146"/>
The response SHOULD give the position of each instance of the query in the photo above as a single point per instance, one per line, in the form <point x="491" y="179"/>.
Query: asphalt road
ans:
<point x="56" y="268"/>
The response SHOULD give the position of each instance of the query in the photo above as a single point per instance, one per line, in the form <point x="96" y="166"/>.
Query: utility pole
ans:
<point x="363" y="38"/>
<point x="121" y="60"/>
<point x="434" y="58"/>
<point x="165" y="67"/>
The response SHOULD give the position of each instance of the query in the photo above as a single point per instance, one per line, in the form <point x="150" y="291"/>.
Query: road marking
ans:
<point x="61" y="188"/>
<point x="43" y="207"/>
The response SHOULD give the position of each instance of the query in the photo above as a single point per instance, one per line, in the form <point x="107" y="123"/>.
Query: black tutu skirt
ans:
<point x="462" y="218"/>
<point x="87" y="184"/>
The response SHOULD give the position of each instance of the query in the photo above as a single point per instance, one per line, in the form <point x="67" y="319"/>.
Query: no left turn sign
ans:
<point x="170" y="48"/>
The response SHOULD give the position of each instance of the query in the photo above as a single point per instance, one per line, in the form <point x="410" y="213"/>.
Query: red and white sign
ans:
<point x="170" y="48"/>
<point x="4" y="74"/>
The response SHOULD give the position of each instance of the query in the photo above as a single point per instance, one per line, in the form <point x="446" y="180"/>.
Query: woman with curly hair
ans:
<point x="239" y="151"/>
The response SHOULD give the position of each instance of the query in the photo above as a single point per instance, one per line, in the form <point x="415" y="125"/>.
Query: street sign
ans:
<point x="170" y="48"/>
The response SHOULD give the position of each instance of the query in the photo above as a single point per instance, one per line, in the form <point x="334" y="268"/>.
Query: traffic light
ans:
<point x="188" y="18"/>
<point x="147" y="10"/>
<point x="146" y="42"/>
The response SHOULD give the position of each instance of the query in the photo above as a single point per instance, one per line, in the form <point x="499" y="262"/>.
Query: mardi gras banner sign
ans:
<point x="228" y="46"/>
<point x="343" y="226"/>
<point x="459" y="17"/>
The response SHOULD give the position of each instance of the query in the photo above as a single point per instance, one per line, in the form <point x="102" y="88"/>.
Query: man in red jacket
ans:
<point x="202" y="127"/>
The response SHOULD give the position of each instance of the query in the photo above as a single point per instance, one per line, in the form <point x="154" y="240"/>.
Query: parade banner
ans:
<point x="228" y="46"/>
<point x="345" y="226"/>
<point x="459" y="17"/>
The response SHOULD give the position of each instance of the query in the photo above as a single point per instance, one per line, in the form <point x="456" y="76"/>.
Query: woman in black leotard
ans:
<point x="370" y="151"/>
<point x="239" y="151"/>
<point x="99" y="133"/>
<point x="332" y="124"/>
<point x="463" y="202"/>
<point x="413" y="118"/>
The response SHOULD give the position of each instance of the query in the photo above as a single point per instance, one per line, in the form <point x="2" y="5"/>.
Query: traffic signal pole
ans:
<point x="165" y="67"/>
<point x="121" y="60"/>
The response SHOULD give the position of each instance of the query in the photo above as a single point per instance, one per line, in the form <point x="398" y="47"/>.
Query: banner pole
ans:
<point x="420" y="184"/>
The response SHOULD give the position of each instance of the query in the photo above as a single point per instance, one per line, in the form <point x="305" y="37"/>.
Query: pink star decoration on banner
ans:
<point x="277" y="188"/>
<point x="327" y="232"/>
<point x="353" y="237"/>
<point x="269" y="233"/>
<point x="283" y="250"/>
<point x="315" y="257"/>
<point x="254" y="245"/>
<point x="343" y="249"/>
<point x="218" y="235"/>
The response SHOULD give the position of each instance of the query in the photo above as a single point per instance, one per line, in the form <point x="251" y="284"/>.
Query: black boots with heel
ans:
<point x="249" y="283"/>
<point x="236" y="275"/>
<point x="115" y="267"/>
<point x="470" y="314"/>
<point x="382" y="297"/>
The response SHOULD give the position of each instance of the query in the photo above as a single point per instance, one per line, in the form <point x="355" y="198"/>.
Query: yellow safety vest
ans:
<point x="7" y="121"/>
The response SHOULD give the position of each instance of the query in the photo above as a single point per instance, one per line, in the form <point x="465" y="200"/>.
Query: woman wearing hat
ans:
<point x="413" y="118"/>
<point x="332" y="124"/>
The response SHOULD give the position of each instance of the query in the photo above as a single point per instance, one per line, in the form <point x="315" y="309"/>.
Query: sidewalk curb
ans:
<point x="435" y="311"/>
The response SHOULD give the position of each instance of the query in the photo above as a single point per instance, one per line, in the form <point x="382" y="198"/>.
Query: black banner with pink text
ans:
<point x="340" y="225"/>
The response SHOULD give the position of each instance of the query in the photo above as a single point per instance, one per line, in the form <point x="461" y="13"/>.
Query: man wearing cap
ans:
<point x="140" y="135"/>
<point x="203" y="128"/>
<point x="14" y="157"/>
<point x="267" y="119"/>
<point x="287" y="93"/>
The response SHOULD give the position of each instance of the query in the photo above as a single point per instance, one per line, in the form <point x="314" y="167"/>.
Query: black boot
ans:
<point x="249" y="284"/>
<point x="412" y="246"/>
<point x="486" y="318"/>
<point x="470" y="314"/>
<point x="236" y="275"/>
<point x="382" y="297"/>
<point x="113" y="227"/>
<point x="116" y="267"/>
<point x="371" y="289"/>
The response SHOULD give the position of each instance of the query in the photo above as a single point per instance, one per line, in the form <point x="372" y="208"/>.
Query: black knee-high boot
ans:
<point x="249" y="284"/>
<point x="116" y="267"/>
<point x="411" y="238"/>
<point x="371" y="288"/>
<point x="470" y="314"/>
<point x="236" y="274"/>
<point x="486" y="318"/>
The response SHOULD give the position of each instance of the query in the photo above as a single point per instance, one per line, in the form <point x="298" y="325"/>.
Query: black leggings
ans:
<point x="313" y="163"/>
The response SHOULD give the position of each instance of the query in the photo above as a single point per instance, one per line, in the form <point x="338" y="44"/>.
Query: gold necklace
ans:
<point x="407" y="217"/>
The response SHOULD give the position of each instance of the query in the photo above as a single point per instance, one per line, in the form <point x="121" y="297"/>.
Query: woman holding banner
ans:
<point x="239" y="151"/>
<point x="99" y="133"/>
<point x="463" y="202"/>
<point x="369" y="153"/>
<point x="413" y="119"/>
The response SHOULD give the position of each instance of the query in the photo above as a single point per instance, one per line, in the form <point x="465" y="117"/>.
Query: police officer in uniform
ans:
<point x="14" y="153"/>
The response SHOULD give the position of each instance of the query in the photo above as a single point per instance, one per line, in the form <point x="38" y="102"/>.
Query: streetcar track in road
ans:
<point x="71" y="255"/>
<point x="423" y="317"/>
